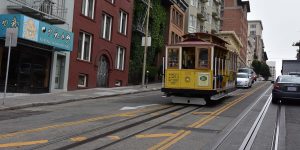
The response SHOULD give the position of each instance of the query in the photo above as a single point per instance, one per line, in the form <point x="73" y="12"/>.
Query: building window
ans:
<point x="252" y="33"/>
<point x="120" y="57"/>
<point x="253" y="26"/>
<point x="88" y="8"/>
<point x="177" y="18"/>
<point x="192" y="21"/>
<point x="175" y="38"/>
<point x="194" y="3"/>
<point x="82" y="80"/>
<point x="123" y="22"/>
<point x="172" y="38"/>
<point x="84" y="46"/>
<point x="106" y="26"/>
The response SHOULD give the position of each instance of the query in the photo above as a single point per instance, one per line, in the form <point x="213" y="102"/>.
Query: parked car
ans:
<point x="250" y="72"/>
<point x="286" y="87"/>
<point x="243" y="80"/>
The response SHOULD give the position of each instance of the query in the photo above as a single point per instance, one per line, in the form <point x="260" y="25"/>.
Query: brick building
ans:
<point x="235" y="19"/>
<point x="102" y="35"/>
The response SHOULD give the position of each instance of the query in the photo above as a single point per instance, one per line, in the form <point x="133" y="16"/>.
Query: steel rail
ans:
<point x="249" y="139"/>
<point x="118" y="127"/>
<point x="275" y="140"/>
<point x="237" y="121"/>
<point x="59" y="139"/>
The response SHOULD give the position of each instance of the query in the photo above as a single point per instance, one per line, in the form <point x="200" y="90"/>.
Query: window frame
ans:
<point x="85" y="8"/>
<point x="82" y="50"/>
<point x="104" y="27"/>
<point x="119" y="59"/>
<point x="198" y="51"/>
<point x="193" y="21"/>
<point x="178" y="54"/>
<point x="121" y="23"/>
<point x="84" y="81"/>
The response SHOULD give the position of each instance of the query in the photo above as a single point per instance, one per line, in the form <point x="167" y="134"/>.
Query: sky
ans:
<point x="281" y="27"/>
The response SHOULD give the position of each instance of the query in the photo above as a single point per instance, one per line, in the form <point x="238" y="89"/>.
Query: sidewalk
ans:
<point x="18" y="100"/>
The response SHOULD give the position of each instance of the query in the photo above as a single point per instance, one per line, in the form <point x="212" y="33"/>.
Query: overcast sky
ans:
<point x="281" y="27"/>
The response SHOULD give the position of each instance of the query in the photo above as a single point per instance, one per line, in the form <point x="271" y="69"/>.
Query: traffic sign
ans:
<point x="11" y="37"/>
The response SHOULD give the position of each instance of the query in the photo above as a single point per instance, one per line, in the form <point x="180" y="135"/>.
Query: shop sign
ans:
<point x="37" y="31"/>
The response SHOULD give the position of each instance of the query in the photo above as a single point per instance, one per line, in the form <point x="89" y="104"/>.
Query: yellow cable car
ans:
<point x="199" y="70"/>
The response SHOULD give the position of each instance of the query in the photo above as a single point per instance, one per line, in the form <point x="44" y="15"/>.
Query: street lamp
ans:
<point x="146" y="44"/>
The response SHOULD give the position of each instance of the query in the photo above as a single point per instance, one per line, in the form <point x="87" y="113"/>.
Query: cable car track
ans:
<point x="121" y="126"/>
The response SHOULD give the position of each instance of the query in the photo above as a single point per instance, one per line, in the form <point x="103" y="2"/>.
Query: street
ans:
<point x="245" y="120"/>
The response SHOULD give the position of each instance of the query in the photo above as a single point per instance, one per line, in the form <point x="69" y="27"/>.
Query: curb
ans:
<point x="74" y="100"/>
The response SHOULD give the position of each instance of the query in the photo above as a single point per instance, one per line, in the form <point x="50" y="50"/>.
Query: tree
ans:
<point x="256" y="66"/>
<point x="265" y="71"/>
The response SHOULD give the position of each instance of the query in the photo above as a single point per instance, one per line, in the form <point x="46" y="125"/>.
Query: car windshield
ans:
<point x="242" y="75"/>
<point x="290" y="79"/>
<point x="244" y="70"/>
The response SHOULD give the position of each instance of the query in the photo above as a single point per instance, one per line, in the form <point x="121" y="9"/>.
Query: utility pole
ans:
<point x="146" y="44"/>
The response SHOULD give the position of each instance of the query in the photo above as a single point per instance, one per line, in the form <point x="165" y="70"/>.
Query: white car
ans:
<point x="244" y="80"/>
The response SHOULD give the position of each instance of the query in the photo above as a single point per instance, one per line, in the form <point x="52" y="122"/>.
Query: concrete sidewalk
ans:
<point x="18" y="101"/>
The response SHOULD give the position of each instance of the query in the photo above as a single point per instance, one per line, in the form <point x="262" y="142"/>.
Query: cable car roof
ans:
<point x="196" y="43"/>
<point x="204" y="37"/>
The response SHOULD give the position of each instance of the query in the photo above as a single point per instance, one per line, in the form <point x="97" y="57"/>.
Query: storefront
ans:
<point x="40" y="61"/>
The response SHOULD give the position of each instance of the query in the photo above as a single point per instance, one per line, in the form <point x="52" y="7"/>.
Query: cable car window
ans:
<point x="188" y="58"/>
<point x="173" y="58"/>
<point x="203" y="58"/>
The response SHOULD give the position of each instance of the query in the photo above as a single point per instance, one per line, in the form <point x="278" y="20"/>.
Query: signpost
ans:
<point x="10" y="41"/>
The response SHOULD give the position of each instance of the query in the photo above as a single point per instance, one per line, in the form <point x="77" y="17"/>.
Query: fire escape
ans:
<point x="45" y="10"/>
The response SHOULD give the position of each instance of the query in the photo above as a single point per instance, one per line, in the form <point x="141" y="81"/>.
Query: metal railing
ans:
<point x="46" y="7"/>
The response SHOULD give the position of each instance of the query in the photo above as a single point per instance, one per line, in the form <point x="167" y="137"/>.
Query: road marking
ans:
<point x="175" y="113"/>
<point x="175" y="140"/>
<point x="128" y="115"/>
<point x="79" y="122"/>
<point x="78" y="139"/>
<point x="17" y="144"/>
<point x="166" y="141"/>
<point x="114" y="137"/>
<point x="202" y="113"/>
<point x="136" y="107"/>
<point x="155" y="135"/>
<point x="182" y="133"/>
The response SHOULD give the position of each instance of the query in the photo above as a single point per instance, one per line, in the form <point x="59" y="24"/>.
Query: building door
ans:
<point x="102" y="73"/>
<point x="59" y="73"/>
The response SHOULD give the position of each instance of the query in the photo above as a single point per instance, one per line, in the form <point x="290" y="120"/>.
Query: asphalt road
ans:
<point x="245" y="120"/>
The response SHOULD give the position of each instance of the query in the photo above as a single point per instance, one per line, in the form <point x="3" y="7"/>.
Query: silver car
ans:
<point x="244" y="80"/>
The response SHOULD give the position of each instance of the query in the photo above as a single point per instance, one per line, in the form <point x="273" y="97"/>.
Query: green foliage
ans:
<point x="157" y="28"/>
<point x="261" y="69"/>
<point x="255" y="57"/>
<point x="256" y="66"/>
<point x="265" y="71"/>
<point x="153" y="72"/>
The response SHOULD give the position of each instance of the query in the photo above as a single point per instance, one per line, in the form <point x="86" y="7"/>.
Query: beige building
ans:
<point x="255" y="29"/>
<point x="203" y="16"/>
<point x="272" y="66"/>
<point x="250" y="51"/>
<point x="234" y="43"/>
